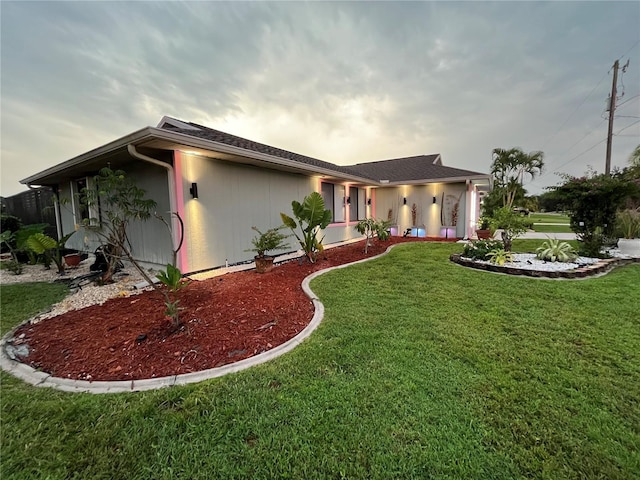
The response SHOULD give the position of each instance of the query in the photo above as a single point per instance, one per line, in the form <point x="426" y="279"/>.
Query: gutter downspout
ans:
<point x="172" y="193"/>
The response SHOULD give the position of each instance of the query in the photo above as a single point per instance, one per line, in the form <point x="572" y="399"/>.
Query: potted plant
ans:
<point x="272" y="239"/>
<point x="484" y="232"/>
<point x="72" y="259"/>
<point x="628" y="228"/>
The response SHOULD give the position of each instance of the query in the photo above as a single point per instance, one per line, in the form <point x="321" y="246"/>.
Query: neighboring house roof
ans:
<point x="174" y="134"/>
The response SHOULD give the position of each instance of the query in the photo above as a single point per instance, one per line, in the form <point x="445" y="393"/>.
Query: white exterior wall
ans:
<point x="150" y="240"/>
<point x="231" y="199"/>
<point x="428" y="213"/>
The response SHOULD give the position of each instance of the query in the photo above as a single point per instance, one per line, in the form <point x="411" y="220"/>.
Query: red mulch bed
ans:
<point x="226" y="319"/>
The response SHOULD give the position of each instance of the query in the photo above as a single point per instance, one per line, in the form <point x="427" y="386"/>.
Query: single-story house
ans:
<point x="221" y="185"/>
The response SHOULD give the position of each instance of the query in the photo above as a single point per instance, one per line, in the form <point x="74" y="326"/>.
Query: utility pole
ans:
<point x="612" y="108"/>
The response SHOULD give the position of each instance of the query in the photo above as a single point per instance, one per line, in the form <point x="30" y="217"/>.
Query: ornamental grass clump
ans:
<point x="553" y="250"/>
<point x="628" y="223"/>
<point x="479" y="249"/>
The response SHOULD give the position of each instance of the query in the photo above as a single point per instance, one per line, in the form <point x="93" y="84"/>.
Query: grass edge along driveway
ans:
<point x="421" y="369"/>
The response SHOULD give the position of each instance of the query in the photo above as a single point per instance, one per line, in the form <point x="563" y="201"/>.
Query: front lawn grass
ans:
<point x="420" y="369"/>
<point x="548" y="218"/>
<point x="552" y="228"/>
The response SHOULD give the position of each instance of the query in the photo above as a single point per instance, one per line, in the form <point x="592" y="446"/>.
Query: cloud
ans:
<point x="345" y="82"/>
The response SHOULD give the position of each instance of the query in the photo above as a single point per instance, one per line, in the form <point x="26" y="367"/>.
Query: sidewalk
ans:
<point x="544" y="236"/>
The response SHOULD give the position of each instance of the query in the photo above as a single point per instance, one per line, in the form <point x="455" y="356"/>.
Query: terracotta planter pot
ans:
<point x="263" y="264"/>
<point x="483" y="234"/>
<point x="72" y="260"/>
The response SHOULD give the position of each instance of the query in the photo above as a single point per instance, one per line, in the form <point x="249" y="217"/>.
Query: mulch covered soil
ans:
<point x="225" y="319"/>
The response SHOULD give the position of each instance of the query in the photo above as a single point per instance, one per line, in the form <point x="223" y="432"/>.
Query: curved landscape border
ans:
<point x="600" y="268"/>
<point x="41" y="379"/>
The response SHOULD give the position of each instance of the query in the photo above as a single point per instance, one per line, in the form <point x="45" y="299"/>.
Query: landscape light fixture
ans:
<point x="194" y="190"/>
<point x="434" y="199"/>
<point x="404" y="201"/>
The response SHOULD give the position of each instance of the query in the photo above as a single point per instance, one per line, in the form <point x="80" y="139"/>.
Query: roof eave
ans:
<point x="122" y="142"/>
<point x="456" y="179"/>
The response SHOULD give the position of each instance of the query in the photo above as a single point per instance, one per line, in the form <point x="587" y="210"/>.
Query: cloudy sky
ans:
<point x="345" y="82"/>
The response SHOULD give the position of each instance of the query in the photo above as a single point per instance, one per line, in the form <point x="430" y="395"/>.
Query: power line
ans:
<point x="628" y="126"/>
<point x="627" y="101"/>
<point x="632" y="47"/>
<point x="576" y="109"/>
<point x="580" y="154"/>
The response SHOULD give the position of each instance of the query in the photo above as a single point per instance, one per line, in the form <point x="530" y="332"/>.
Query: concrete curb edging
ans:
<point x="602" y="267"/>
<point x="41" y="379"/>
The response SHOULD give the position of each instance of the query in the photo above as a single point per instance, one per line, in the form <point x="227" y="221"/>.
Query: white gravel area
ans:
<point x="90" y="294"/>
<point x="528" y="261"/>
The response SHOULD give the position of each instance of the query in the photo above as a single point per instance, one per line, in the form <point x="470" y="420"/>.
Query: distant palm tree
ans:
<point x="509" y="168"/>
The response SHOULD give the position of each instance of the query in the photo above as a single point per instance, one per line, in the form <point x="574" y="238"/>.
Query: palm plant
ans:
<point x="509" y="168"/>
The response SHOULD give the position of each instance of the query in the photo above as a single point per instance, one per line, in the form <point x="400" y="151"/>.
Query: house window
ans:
<point x="326" y="190"/>
<point x="353" y="204"/>
<point x="339" y="202"/>
<point x="82" y="210"/>
<point x="334" y="200"/>
<point x="85" y="212"/>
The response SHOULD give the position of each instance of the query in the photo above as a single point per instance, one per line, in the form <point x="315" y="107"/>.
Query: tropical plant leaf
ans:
<point x="40" y="243"/>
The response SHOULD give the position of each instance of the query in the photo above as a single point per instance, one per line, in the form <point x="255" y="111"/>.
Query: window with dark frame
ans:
<point x="353" y="204"/>
<point x="83" y="208"/>
<point x="326" y="190"/>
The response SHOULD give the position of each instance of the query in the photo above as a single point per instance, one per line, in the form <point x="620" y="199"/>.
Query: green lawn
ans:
<point x="420" y="369"/>
<point x="548" y="218"/>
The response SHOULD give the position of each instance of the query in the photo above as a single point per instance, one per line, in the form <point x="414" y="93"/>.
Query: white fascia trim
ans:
<point x="439" y="180"/>
<point x="122" y="142"/>
<point x="176" y="123"/>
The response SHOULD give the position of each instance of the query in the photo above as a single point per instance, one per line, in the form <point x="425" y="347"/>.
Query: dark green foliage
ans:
<point x="592" y="202"/>
<point x="512" y="224"/>
<point x="272" y="239"/>
<point x="479" y="249"/>
<point x="10" y="223"/>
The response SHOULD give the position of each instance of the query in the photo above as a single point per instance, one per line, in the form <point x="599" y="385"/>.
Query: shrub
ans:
<point x="371" y="227"/>
<point x="479" y="249"/>
<point x="272" y="239"/>
<point x="511" y="223"/>
<point x="553" y="250"/>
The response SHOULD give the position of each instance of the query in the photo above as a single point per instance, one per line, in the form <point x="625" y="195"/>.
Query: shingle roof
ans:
<point x="228" y="139"/>
<point x="421" y="167"/>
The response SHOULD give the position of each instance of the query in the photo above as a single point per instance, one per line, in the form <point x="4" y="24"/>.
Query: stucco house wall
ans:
<point x="150" y="240"/>
<point x="231" y="199"/>
<point x="428" y="213"/>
